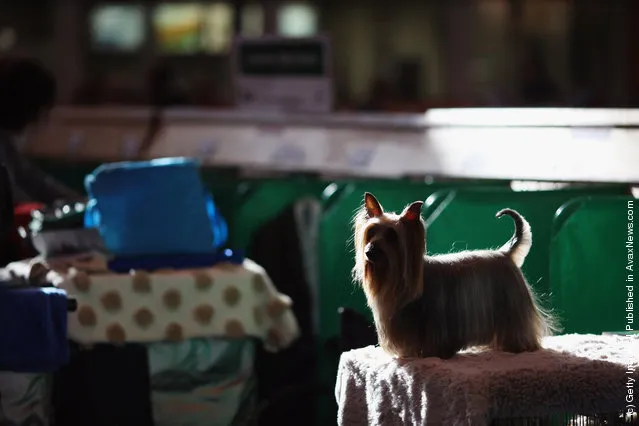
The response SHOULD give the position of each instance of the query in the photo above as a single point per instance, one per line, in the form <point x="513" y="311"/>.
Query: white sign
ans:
<point x="283" y="74"/>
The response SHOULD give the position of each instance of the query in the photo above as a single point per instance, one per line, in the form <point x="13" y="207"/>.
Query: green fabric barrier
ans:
<point x="227" y="190"/>
<point x="262" y="200"/>
<point x="588" y="260"/>
<point x="465" y="220"/>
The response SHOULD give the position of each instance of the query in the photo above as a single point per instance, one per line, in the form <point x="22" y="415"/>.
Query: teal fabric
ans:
<point x="25" y="399"/>
<point x="202" y="382"/>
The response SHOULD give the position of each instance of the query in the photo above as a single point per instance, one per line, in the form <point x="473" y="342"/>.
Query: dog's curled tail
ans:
<point x="518" y="246"/>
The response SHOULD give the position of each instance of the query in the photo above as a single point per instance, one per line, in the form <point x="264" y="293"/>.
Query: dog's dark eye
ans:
<point x="371" y="232"/>
<point x="391" y="236"/>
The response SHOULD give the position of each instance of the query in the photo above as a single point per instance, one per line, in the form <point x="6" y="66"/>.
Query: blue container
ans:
<point x="153" y="207"/>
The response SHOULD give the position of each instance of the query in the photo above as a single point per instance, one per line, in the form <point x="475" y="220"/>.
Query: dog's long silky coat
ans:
<point x="427" y="306"/>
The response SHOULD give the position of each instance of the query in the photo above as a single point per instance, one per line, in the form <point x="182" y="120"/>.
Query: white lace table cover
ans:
<point x="580" y="374"/>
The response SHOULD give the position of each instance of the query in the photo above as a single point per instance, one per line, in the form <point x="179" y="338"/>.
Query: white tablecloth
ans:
<point x="575" y="374"/>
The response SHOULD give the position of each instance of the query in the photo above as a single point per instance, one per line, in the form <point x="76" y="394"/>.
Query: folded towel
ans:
<point x="202" y="382"/>
<point x="574" y="374"/>
<point x="25" y="399"/>
<point x="68" y="242"/>
<point x="89" y="262"/>
<point x="33" y="329"/>
<point x="26" y="273"/>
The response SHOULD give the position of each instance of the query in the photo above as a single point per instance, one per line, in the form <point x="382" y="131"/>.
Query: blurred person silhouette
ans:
<point x="27" y="95"/>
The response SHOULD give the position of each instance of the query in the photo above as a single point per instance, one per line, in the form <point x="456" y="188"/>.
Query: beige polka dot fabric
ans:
<point x="172" y="299"/>
<point x="222" y="301"/>
<point x="234" y="328"/>
<point x="80" y="280"/>
<point x="174" y="332"/>
<point x="141" y="282"/>
<point x="116" y="334"/>
<point x="203" y="314"/>
<point x="143" y="318"/>
<point x="258" y="315"/>
<point x="277" y="306"/>
<point x="203" y="281"/>
<point x="232" y="295"/>
<point x="258" y="283"/>
<point x="273" y="337"/>
<point x="86" y="316"/>
<point x="111" y="301"/>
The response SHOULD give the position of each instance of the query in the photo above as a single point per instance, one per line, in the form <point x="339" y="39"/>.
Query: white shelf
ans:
<point x="534" y="144"/>
<point x="531" y="117"/>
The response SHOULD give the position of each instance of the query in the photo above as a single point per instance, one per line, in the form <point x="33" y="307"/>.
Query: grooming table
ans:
<point x="574" y="375"/>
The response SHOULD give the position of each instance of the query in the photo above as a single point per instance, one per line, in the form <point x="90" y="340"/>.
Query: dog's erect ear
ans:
<point x="413" y="212"/>
<point x="373" y="208"/>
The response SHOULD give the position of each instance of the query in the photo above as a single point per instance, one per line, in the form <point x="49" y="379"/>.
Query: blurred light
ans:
<point x="8" y="39"/>
<point x="297" y="20"/>
<point x="546" y="16"/>
<point x="495" y="10"/>
<point x="488" y="117"/>
<point x="522" y="186"/>
<point x="252" y="23"/>
<point x="177" y="27"/>
<point x="218" y="28"/>
<point x="117" y="27"/>
<point x="329" y="191"/>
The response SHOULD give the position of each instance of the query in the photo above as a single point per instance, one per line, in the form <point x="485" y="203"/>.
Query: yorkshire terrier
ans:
<point x="435" y="306"/>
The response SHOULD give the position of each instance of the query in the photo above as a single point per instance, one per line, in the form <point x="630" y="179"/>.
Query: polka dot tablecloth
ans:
<point x="233" y="301"/>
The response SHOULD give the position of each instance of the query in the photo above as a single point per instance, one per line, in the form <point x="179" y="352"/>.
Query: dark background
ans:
<point x="403" y="55"/>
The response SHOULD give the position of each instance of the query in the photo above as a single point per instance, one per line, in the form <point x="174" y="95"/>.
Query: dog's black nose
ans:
<point x="372" y="252"/>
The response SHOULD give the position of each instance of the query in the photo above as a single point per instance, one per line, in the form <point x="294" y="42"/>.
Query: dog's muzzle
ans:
<point x="372" y="252"/>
